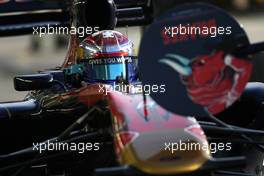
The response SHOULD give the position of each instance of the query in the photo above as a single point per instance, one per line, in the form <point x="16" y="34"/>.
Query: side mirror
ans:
<point x="33" y="82"/>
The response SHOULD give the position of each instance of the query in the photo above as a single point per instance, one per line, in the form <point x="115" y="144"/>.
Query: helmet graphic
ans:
<point x="108" y="57"/>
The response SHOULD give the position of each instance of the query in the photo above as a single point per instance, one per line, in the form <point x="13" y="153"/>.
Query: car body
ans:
<point x="136" y="135"/>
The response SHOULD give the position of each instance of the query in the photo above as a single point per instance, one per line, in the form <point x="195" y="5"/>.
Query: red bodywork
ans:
<point x="137" y="123"/>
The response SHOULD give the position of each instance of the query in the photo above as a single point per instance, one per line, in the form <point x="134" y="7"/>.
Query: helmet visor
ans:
<point x="109" y="69"/>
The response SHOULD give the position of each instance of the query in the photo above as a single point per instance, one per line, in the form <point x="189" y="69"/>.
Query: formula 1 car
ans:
<point x="65" y="126"/>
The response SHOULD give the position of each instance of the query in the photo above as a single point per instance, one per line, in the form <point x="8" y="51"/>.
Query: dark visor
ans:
<point x="110" y="68"/>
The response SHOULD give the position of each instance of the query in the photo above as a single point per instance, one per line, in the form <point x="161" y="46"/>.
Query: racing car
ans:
<point x="94" y="115"/>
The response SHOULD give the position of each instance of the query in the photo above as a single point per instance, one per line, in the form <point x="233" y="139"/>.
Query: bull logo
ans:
<point x="214" y="81"/>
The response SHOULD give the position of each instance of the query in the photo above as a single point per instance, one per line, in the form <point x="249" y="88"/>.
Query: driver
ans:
<point x="108" y="57"/>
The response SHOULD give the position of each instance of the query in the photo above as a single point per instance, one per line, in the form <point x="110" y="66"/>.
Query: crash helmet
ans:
<point x="108" y="57"/>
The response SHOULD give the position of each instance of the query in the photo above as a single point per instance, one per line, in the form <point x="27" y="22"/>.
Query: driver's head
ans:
<point x="108" y="57"/>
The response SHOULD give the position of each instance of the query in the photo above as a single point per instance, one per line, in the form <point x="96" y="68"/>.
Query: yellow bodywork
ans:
<point x="186" y="160"/>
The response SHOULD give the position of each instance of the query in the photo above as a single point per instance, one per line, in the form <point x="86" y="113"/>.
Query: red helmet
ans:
<point x="108" y="56"/>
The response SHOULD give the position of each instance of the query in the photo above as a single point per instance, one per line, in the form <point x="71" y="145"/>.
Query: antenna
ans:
<point x="127" y="30"/>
